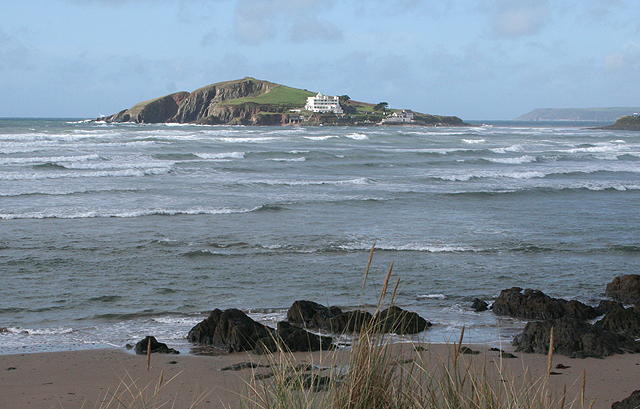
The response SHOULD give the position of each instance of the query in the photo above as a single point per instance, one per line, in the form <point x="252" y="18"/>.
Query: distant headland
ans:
<point x="249" y="101"/>
<point x="578" y="114"/>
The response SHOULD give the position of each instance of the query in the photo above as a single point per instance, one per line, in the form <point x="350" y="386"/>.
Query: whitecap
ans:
<point x="518" y="160"/>
<point x="357" y="136"/>
<point x="223" y="155"/>
<point x="432" y="297"/>
<point x="473" y="141"/>
<point x="302" y="159"/>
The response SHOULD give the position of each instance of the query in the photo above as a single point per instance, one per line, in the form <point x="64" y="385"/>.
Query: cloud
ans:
<point x="313" y="30"/>
<point x="258" y="21"/>
<point x="518" y="18"/>
<point x="628" y="58"/>
<point x="15" y="54"/>
<point x="209" y="39"/>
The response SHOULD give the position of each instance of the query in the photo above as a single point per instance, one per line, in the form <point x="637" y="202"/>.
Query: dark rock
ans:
<point x="623" y="321"/>
<point x="293" y="339"/>
<point x="479" y="305"/>
<point x="607" y="305"/>
<point x="575" y="339"/>
<point x="155" y="347"/>
<point x="241" y="366"/>
<point x="395" y="319"/>
<point x="316" y="316"/>
<point x="303" y="312"/>
<point x="503" y="354"/>
<point x="468" y="351"/>
<point x="625" y="289"/>
<point x="534" y="304"/>
<point x="632" y="402"/>
<point x="231" y="329"/>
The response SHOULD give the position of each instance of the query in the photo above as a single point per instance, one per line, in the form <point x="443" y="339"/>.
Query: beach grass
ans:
<point x="376" y="373"/>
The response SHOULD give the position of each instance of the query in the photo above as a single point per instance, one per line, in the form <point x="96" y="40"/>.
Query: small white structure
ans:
<point x="399" y="117"/>
<point x="323" y="103"/>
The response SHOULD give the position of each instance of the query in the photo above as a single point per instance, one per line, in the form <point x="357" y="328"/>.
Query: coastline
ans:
<point x="70" y="380"/>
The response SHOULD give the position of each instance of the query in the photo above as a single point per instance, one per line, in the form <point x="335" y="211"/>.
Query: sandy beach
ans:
<point x="92" y="378"/>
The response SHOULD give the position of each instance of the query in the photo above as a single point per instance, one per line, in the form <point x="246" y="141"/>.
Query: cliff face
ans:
<point x="204" y="105"/>
<point x="201" y="105"/>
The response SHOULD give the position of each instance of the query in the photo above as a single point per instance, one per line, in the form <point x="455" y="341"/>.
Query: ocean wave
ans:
<point x="357" y="136"/>
<point x="321" y="138"/>
<point x="492" y="175"/>
<point x="474" y="141"/>
<point x="49" y="159"/>
<point x="302" y="159"/>
<point x="513" y="161"/>
<point x="39" y="331"/>
<point x="354" y="181"/>
<point x="431" y="297"/>
<point x="90" y="214"/>
<point x="510" y="148"/>
<point x="61" y="192"/>
<point x="95" y="174"/>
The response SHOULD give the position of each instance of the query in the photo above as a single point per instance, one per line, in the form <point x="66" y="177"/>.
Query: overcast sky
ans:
<point x="476" y="59"/>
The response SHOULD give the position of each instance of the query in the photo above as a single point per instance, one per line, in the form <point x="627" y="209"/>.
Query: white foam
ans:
<point x="90" y="214"/>
<point x="321" y="138"/>
<point x="223" y="155"/>
<point x="511" y="148"/>
<point x="474" y="141"/>
<point x="76" y="175"/>
<point x="518" y="160"/>
<point x="432" y="297"/>
<point x="302" y="159"/>
<point x="49" y="159"/>
<point x="357" y="136"/>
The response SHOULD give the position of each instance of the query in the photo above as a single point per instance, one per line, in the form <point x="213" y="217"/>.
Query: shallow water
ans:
<point x="112" y="232"/>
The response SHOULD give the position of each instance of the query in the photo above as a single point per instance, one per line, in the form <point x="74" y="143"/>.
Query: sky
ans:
<point x="475" y="59"/>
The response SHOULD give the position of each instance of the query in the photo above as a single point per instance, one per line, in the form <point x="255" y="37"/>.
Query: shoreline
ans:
<point x="72" y="379"/>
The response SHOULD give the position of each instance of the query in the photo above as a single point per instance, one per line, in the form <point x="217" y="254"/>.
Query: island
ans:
<point x="249" y="101"/>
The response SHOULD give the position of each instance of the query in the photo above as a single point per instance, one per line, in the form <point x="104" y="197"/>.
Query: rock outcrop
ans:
<point x="623" y="321"/>
<point x="535" y="305"/>
<point x="625" y="289"/>
<point x="573" y="338"/>
<point x="631" y="402"/>
<point x="316" y="316"/>
<point x="154" y="346"/>
<point x="234" y="331"/>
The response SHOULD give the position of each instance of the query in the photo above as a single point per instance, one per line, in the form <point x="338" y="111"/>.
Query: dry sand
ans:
<point x="90" y="379"/>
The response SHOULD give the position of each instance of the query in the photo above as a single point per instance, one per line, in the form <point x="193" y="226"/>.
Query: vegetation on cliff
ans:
<point x="626" y="123"/>
<point x="254" y="102"/>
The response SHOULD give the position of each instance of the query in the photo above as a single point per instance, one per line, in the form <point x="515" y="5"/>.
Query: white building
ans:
<point x="399" y="117"/>
<point x="323" y="103"/>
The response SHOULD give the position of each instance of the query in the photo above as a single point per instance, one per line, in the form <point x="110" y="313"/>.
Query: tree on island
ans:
<point x="344" y="98"/>
<point x="381" y="106"/>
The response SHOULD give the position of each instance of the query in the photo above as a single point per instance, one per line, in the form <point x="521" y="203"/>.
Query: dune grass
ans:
<point x="379" y="374"/>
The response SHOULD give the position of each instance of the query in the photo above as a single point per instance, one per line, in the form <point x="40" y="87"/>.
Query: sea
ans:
<point x="111" y="232"/>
